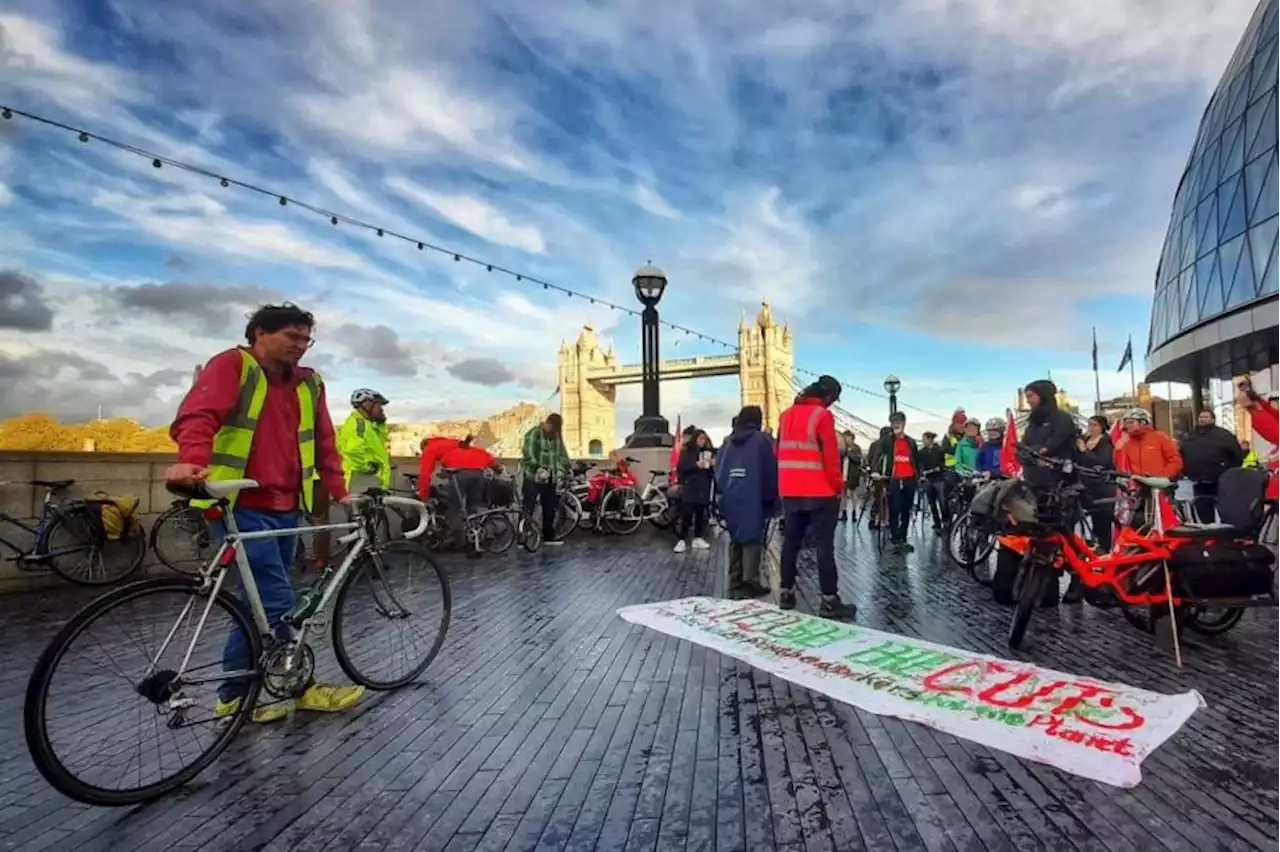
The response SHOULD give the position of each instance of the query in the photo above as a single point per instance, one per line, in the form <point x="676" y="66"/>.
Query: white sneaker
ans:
<point x="680" y="546"/>
<point x="701" y="544"/>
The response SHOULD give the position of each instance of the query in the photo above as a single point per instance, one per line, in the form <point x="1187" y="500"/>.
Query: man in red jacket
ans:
<point x="242" y="420"/>
<point x="810" y="483"/>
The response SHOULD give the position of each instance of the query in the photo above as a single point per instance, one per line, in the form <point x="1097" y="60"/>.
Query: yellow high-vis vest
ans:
<point x="234" y="440"/>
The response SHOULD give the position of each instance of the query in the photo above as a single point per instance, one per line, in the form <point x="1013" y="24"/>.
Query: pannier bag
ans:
<point x="501" y="492"/>
<point x="1002" y="504"/>
<point x="1240" y="494"/>
<point x="1226" y="569"/>
<point x="113" y="512"/>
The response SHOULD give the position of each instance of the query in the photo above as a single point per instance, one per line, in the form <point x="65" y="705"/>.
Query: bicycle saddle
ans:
<point x="1214" y="531"/>
<point x="54" y="484"/>
<point x="658" y="472"/>
<point x="212" y="490"/>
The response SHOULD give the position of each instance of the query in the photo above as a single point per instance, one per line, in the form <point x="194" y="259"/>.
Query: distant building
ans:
<point x="1175" y="416"/>
<point x="498" y="430"/>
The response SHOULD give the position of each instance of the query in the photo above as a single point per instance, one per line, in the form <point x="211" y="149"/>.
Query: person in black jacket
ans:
<point x="899" y="463"/>
<point x="1094" y="449"/>
<point x="932" y="467"/>
<point x="696" y="472"/>
<point x="1050" y="432"/>
<point x="1206" y="453"/>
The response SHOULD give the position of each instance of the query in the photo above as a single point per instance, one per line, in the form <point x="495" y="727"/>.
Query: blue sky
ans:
<point x="951" y="191"/>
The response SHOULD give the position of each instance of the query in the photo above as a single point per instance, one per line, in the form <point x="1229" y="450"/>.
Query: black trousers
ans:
<point x="545" y="493"/>
<point x="816" y="515"/>
<point x="1206" y="501"/>
<point x="902" y="499"/>
<point x="936" y="493"/>
<point x="693" y="518"/>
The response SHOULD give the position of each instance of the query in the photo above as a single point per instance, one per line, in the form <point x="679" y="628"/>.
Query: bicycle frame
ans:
<point x="35" y="554"/>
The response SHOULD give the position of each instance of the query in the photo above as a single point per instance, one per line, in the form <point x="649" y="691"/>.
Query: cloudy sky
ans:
<point x="954" y="191"/>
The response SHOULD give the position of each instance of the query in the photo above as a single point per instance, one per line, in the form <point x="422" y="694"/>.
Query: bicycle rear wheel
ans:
<point x="402" y="595"/>
<point x="623" y="511"/>
<point x="73" y="742"/>
<point x="496" y="533"/>
<point x="76" y="547"/>
<point x="181" y="539"/>
<point x="568" y="515"/>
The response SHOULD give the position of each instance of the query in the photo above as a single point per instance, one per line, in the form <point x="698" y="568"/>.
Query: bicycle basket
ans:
<point x="113" y="513"/>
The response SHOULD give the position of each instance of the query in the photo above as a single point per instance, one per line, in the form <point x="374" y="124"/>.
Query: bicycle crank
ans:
<point x="288" y="669"/>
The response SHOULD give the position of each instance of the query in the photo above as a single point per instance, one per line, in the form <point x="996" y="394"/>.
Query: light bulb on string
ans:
<point x="379" y="232"/>
<point x="224" y="183"/>
<point x="84" y="137"/>
<point x="283" y="201"/>
<point x="333" y="220"/>
<point x="7" y="113"/>
<point x="155" y="163"/>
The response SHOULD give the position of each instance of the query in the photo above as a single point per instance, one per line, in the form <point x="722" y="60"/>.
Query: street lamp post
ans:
<point x="891" y="386"/>
<point x="651" y="428"/>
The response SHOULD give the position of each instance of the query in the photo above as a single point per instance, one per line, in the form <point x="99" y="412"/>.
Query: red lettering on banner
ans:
<point x="1055" y="726"/>
<point x="991" y="695"/>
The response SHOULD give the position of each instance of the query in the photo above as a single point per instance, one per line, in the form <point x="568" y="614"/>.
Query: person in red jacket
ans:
<point x="278" y="337"/>
<point x="810" y="483"/>
<point x="1264" y="420"/>
<point x="433" y="449"/>
<point x="468" y="463"/>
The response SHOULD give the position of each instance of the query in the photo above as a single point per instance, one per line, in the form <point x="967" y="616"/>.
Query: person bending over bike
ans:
<point x="254" y="413"/>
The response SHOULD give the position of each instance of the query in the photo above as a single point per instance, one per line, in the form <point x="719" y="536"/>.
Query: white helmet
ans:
<point x="1139" y="414"/>
<point x="995" y="424"/>
<point x="360" y="396"/>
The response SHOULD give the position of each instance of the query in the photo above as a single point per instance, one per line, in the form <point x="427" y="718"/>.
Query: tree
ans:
<point x="37" y="431"/>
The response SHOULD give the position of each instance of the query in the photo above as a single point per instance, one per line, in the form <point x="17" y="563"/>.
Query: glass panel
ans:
<point x="1253" y="121"/>
<point x="1201" y="280"/>
<point x="1233" y="220"/>
<point x="1262" y="245"/>
<point x="1186" y="300"/>
<point x="1268" y="283"/>
<point x="1266" y="137"/>
<point x="1264" y="69"/>
<point x="1207" y="223"/>
<point x="1255" y="175"/>
<point x="1232" y="156"/>
<point x="1239" y="91"/>
<point x="1211" y="293"/>
<point x="1206" y="178"/>
<point x="1268" y="199"/>
<point x="1229" y="262"/>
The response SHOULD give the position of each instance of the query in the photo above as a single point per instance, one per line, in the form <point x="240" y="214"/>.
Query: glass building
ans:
<point x="1215" y="313"/>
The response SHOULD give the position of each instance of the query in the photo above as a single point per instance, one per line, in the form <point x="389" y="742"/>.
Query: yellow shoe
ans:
<point x="262" y="714"/>
<point x="323" y="698"/>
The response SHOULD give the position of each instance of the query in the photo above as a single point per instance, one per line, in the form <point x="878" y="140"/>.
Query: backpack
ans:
<point x="1240" y="496"/>
<point x="1009" y="502"/>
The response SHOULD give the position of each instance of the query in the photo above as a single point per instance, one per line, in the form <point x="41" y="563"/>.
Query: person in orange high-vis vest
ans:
<point x="810" y="483"/>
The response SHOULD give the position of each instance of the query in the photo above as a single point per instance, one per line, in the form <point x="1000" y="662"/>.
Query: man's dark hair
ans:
<point x="1102" y="421"/>
<point x="750" y="415"/>
<point x="466" y="442"/>
<point x="555" y="421"/>
<point x="826" y="387"/>
<point x="272" y="318"/>
<point x="897" y="417"/>
<point x="930" y="435"/>
<point x="1209" y="411"/>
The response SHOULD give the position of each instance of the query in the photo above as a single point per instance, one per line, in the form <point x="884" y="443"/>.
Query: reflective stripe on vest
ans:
<point x="807" y="446"/>
<point x="234" y="439"/>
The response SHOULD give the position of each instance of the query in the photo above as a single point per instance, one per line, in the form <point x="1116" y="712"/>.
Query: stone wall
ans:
<point x="138" y="474"/>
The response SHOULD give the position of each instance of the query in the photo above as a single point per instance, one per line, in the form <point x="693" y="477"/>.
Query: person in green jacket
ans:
<point x="1250" y="457"/>
<point x="967" y="448"/>
<point x="364" y="445"/>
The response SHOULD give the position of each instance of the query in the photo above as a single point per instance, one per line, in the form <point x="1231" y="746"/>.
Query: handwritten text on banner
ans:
<point x="1088" y="727"/>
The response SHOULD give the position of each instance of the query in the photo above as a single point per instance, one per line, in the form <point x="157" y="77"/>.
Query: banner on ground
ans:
<point x="1087" y="727"/>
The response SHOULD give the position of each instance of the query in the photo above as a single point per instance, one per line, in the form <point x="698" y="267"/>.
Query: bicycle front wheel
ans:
<point x="623" y="511"/>
<point x="391" y="616"/>
<point x="496" y="533"/>
<point x="93" y="685"/>
<point x="1033" y="582"/>
<point x="568" y="516"/>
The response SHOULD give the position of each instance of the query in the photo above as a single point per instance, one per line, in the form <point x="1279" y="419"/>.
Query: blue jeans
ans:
<point x="270" y="560"/>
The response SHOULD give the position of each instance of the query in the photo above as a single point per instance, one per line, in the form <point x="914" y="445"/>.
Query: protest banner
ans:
<point x="1087" y="727"/>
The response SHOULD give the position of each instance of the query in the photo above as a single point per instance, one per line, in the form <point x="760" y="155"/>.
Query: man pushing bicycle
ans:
<point x="254" y="413"/>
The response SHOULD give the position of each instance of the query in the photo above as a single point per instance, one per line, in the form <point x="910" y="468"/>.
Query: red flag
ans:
<point x="675" y="454"/>
<point x="1009" y="464"/>
<point x="1122" y="461"/>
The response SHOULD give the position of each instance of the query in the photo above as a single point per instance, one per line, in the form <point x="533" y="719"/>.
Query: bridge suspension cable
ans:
<point x="335" y="218"/>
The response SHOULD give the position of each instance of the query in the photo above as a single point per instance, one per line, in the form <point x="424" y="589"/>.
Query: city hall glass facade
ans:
<point x="1219" y="256"/>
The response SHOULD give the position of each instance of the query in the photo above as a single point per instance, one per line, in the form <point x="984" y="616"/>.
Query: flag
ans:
<point x="1095" y="351"/>
<point x="1009" y="464"/>
<point x="1126" y="359"/>
<point x="675" y="454"/>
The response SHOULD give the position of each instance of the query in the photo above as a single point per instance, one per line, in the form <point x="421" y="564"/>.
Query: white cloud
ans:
<point x="6" y="195"/>
<point x="472" y="215"/>
<point x="33" y="59"/>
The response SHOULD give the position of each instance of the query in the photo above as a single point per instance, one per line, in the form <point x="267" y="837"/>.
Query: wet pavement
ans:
<point x="549" y="723"/>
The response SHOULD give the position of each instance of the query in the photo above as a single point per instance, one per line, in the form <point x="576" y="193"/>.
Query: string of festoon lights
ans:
<point x="335" y="219"/>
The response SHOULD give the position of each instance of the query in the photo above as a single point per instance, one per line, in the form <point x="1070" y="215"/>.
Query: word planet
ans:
<point x="1087" y="727"/>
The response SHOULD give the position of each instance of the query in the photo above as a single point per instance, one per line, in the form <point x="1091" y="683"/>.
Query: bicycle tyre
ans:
<point x="1030" y="592"/>
<point x="530" y="534"/>
<point x="340" y="644"/>
<point x="1229" y="618"/>
<point x="569" y="515"/>
<point x="134" y="536"/>
<point x="622" y="524"/>
<point x="176" y="515"/>
<point x="34" y="722"/>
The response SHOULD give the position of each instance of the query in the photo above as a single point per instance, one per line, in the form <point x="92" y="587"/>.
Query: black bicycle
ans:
<point x="76" y="541"/>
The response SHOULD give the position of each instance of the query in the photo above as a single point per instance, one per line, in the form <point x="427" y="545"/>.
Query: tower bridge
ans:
<point x="589" y="376"/>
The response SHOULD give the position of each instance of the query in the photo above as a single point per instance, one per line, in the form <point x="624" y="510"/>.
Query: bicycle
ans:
<point x="623" y="509"/>
<point x="487" y="531"/>
<point x="77" y="527"/>
<point x="279" y="664"/>
<point x="878" y="517"/>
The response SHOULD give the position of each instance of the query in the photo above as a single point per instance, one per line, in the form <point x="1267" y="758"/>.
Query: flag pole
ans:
<point x="1133" y="382"/>
<point x="1097" y="382"/>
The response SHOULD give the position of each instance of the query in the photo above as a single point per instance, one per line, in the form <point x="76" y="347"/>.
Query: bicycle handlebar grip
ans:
<point x="424" y="517"/>
<point x="189" y="492"/>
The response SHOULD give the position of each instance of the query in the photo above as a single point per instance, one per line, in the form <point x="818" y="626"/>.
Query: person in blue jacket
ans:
<point x="747" y="482"/>
<point x="989" y="453"/>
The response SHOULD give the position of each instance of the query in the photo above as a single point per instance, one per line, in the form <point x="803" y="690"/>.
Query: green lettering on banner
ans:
<point x="900" y="659"/>
<point x="811" y="634"/>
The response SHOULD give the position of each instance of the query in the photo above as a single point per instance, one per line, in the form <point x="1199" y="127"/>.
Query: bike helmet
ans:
<point x="995" y="424"/>
<point x="362" y="395"/>
<point x="1141" y="415"/>
<point x="973" y="421"/>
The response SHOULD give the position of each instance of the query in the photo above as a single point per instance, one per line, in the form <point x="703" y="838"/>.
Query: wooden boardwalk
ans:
<point x="548" y="723"/>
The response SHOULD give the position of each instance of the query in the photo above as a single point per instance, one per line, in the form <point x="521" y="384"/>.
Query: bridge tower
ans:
<point x="766" y="365"/>
<point x="587" y="406"/>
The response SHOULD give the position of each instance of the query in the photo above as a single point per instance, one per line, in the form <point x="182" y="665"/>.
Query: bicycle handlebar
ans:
<point x="424" y="515"/>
